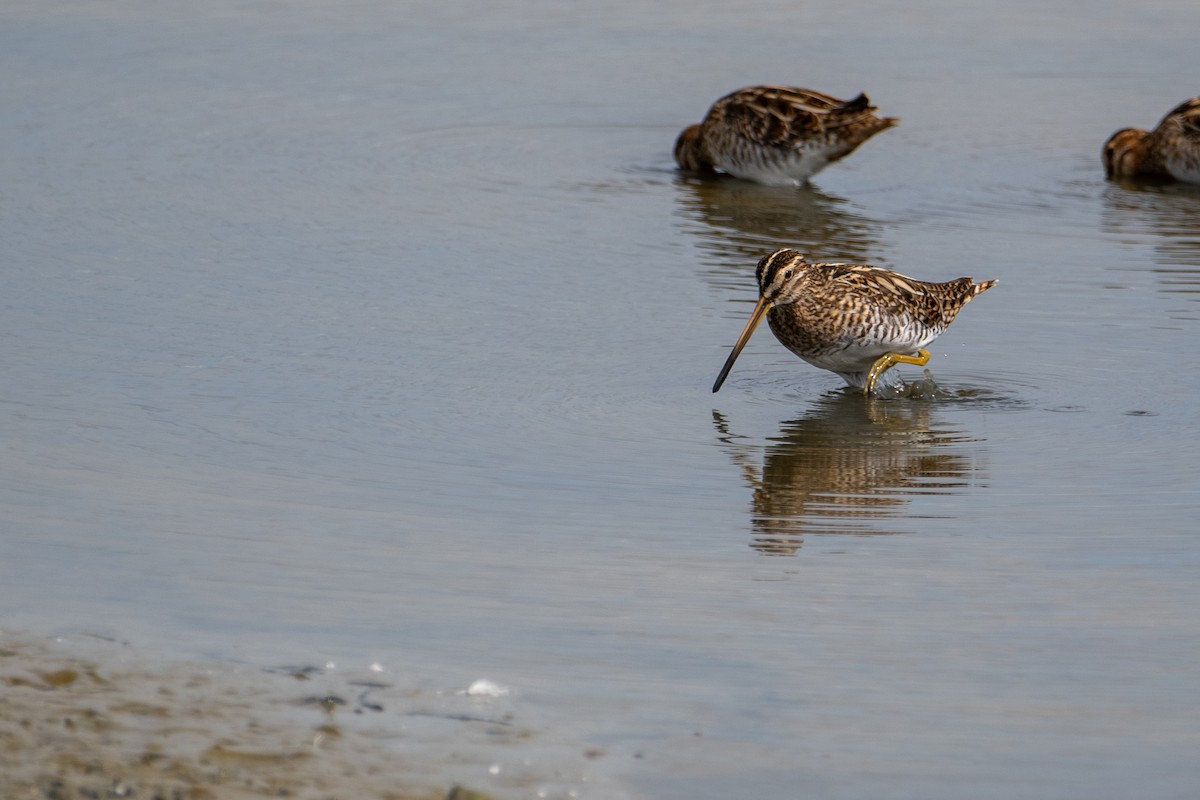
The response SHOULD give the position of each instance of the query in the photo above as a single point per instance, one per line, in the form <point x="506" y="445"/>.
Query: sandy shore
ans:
<point x="82" y="717"/>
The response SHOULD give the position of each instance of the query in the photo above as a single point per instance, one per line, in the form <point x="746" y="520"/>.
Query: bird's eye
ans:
<point x="787" y="274"/>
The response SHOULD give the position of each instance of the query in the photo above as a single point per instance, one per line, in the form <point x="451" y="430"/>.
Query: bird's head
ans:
<point x="779" y="275"/>
<point x="1124" y="153"/>
<point x="689" y="150"/>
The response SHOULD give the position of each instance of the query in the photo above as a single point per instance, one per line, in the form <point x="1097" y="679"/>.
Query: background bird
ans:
<point x="777" y="135"/>
<point x="1170" y="151"/>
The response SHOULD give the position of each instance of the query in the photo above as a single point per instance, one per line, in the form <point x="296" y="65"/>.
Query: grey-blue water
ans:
<point x="385" y="333"/>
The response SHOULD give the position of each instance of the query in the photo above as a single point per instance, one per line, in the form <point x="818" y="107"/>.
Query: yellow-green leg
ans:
<point x="889" y="360"/>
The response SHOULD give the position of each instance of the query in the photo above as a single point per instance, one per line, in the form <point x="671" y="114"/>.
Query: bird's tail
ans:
<point x="982" y="287"/>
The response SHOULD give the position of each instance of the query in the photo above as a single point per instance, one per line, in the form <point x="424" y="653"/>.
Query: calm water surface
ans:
<point x="385" y="335"/>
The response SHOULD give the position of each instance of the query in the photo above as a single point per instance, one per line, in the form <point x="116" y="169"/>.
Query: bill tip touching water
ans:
<point x="855" y="320"/>
<point x="777" y="135"/>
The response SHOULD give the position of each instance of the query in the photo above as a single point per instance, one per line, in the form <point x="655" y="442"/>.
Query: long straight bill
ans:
<point x="760" y="311"/>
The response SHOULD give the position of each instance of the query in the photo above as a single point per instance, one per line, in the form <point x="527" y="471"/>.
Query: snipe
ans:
<point x="777" y="135"/>
<point x="1170" y="151"/>
<point x="852" y="319"/>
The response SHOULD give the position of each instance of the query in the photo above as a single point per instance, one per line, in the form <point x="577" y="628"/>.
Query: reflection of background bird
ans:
<point x="739" y="221"/>
<point x="848" y="467"/>
<point x="1167" y="219"/>
<point x="777" y="135"/>
<point x="1171" y="150"/>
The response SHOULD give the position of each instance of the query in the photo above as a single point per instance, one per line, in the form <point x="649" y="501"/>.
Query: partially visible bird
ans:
<point x="1171" y="150"/>
<point x="852" y="319"/>
<point x="777" y="135"/>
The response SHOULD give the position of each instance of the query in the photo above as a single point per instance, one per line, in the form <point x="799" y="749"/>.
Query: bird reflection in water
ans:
<point x="1167" y="218"/>
<point x="736" y="222"/>
<point x="849" y="467"/>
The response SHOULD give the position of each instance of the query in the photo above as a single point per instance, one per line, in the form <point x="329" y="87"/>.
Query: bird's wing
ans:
<point x="1187" y="114"/>
<point x="782" y="115"/>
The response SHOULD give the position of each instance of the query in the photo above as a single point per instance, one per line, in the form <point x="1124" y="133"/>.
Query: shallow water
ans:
<point x="385" y="335"/>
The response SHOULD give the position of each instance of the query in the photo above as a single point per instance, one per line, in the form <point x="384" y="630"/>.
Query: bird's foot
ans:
<point x="889" y="360"/>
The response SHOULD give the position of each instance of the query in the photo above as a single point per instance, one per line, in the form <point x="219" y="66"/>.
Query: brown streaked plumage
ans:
<point x="852" y="319"/>
<point x="1170" y="151"/>
<point x="777" y="135"/>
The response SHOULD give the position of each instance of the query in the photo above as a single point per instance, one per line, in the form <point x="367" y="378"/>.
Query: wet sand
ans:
<point x="87" y="718"/>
